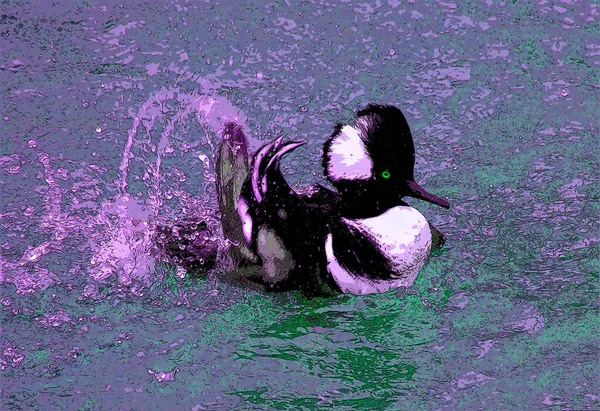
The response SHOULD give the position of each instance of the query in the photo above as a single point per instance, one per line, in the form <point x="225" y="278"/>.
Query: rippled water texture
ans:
<point x="109" y="124"/>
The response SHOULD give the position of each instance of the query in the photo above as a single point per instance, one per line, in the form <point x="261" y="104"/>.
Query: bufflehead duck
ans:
<point x="360" y="238"/>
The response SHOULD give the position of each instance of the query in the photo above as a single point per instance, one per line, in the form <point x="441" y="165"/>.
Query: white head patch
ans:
<point x="348" y="158"/>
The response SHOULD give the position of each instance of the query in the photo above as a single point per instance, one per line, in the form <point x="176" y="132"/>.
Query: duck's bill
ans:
<point x="419" y="192"/>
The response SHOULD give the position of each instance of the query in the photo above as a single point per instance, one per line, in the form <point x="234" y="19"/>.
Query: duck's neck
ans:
<point x="361" y="204"/>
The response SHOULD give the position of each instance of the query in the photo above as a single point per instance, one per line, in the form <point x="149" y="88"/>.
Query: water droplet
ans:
<point x="85" y="104"/>
<point x="44" y="159"/>
<point x="60" y="234"/>
<point x="34" y="256"/>
<point x="32" y="144"/>
<point x="6" y="118"/>
<point x="564" y="92"/>
<point x="180" y="272"/>
<point x="98" y="129"/>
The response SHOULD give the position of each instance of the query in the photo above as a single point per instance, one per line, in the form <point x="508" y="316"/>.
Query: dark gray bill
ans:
<point x="419" y="192"/>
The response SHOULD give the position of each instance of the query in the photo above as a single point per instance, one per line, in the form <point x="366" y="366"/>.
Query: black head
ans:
<point x="373" y="159"/>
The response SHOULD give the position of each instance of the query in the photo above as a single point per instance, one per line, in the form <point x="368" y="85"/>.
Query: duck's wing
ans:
<point x="232" y="171"/>
<point x="266" y="190"/>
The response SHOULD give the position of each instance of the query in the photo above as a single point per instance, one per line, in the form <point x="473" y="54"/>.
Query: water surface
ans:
<point x="110" y="122"/>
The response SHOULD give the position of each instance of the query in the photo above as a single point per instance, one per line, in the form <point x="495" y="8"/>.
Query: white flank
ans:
<point x="246" y="219"/>
<point x="403" y="236"/>
<point x="348" y="157"/>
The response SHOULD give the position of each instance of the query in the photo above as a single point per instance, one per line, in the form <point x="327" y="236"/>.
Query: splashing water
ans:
<point x="150" y="217"/>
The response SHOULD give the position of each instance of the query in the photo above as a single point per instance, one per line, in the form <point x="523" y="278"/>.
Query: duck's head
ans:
<point x="373" y="159"/>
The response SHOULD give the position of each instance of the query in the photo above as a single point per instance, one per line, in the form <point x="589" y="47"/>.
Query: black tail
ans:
<point x="265" y="167"/>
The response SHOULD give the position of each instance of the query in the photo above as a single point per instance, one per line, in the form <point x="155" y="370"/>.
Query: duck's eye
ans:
<point x="385" y="174"/>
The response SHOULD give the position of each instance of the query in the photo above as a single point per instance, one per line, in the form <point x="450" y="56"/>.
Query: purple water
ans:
<point x="110" y="119"/>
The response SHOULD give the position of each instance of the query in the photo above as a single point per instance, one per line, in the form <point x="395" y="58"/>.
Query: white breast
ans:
<point x="403" y="236"/>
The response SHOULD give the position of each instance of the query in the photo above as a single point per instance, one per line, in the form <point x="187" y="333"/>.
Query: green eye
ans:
<point x="385" y="174"/>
